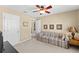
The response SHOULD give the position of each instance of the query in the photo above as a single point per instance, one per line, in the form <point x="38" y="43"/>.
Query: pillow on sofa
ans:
<point x="76" y="36"/>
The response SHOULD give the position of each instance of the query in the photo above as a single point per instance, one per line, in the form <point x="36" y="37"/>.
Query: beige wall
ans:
<point x="67" y="19"/>
<point x="25" y="31"/>
<point x="78" y="20"/>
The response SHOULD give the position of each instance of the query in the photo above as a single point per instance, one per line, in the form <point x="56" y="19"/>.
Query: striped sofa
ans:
<point x="54" y="38"/>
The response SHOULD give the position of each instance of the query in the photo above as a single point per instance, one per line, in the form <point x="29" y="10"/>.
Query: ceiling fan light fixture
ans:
<point x="42" y="11"/>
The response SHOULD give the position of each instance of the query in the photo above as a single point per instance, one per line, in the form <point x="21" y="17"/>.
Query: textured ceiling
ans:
<point x="28" y="9"/>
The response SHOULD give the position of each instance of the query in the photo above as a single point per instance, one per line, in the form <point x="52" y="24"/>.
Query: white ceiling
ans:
<point x="29" y="9"/>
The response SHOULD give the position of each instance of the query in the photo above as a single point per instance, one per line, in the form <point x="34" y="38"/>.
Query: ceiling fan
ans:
<point x="42" y="9"/>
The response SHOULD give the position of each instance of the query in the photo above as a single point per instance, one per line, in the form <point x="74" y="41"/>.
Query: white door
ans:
<point x="11" y="28"/>
<point x="38" y="26"/>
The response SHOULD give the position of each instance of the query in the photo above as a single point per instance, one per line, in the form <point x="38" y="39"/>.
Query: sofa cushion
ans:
<point x="76" y="36"/>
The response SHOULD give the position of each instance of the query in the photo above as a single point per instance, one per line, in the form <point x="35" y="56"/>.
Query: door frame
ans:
<point x="38" y="24"/>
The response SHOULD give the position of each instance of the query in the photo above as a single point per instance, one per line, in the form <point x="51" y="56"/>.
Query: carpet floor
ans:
<point x="34" y="46"/>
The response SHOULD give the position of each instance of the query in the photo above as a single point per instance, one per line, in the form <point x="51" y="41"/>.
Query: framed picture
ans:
<point x="59" y="26"/>
<point x="51" y="26"/>
<point x="45" y="27"/>
<point x="25" y="24"/>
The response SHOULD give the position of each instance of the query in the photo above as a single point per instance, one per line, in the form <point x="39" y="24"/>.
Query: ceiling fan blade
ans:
<point x="35" y="11"/>
<point x="48" y="7"/>
<point x="47" y="11"/>
<point x="38" y="6"/>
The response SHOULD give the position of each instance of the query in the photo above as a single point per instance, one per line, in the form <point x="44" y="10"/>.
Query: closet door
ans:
<point x="11" y="28"/>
